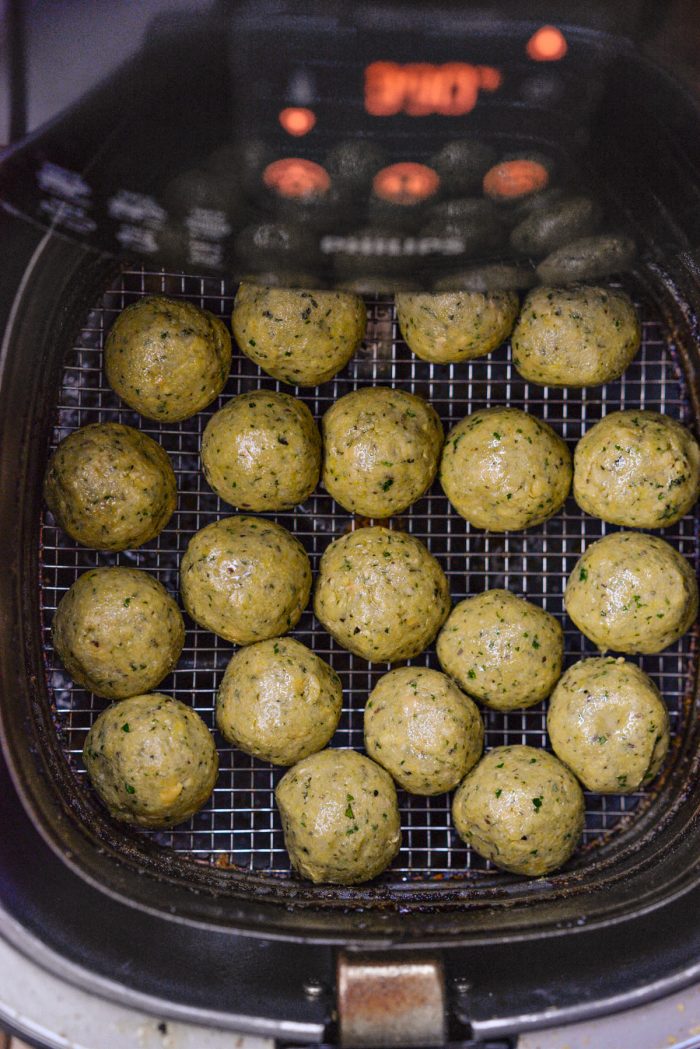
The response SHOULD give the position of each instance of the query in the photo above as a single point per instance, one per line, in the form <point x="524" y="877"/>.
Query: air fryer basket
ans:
<point x="198" y="888"/>
<point x="240" y="827"/>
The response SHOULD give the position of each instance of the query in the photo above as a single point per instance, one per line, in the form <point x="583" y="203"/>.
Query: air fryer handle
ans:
<point x="390" y="1000"/>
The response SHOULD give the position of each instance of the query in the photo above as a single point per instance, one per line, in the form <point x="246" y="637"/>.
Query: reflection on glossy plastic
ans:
<point x="374" y="159"/>
<point x="73" y="217"/>
<point x="406" y="183"/>
<point x="296" y="177"/>
<point x="136" y="207"/>
<point x="68" y="185"/>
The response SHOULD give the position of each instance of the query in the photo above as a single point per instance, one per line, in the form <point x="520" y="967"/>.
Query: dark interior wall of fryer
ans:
<point x="645" y="152"/>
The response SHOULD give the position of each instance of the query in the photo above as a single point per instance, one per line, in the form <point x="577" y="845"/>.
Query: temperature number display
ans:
<point x="419" y="89"/>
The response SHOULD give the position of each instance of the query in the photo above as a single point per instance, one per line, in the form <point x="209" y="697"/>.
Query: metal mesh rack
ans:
<point x="240" y="825"/>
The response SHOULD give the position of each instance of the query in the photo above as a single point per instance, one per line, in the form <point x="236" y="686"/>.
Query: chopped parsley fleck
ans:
<point x="386" y="485"/>
<point x="126" y="727"/>
<point x="499" y="792"/>
<point x="129" y="789"/>
<point x="583" y="575"/>
<point x="537" y="802"/>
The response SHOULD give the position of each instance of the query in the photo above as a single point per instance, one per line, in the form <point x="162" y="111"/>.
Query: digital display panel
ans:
<point x="373" y="142"/>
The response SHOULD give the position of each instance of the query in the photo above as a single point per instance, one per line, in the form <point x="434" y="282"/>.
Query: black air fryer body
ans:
<point x="118" y="913"/>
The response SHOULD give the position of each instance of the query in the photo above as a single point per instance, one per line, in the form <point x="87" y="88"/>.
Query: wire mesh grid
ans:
<point x="240" y="826"/>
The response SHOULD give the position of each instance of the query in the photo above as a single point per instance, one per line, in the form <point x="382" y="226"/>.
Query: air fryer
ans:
<point x="201" y="162"/>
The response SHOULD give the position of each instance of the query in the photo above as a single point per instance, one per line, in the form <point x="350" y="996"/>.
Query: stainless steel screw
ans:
<point x="313" y="989"/>
<point x="460" y="985"/>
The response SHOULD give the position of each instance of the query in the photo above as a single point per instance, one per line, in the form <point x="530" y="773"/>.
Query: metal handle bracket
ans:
<point x="392" y="1000"/>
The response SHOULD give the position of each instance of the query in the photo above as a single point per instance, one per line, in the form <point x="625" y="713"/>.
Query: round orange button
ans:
<point x="548" y="44"/>
<point x="406" y="183"/>
<point x="296" y="177"/>
<point x="515" y="178"/>
<point x="297" y="120"/>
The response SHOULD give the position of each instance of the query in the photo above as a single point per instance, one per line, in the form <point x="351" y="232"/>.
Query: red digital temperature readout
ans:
<point x="419" y="89"/>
